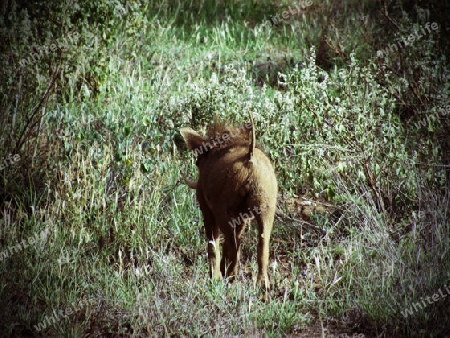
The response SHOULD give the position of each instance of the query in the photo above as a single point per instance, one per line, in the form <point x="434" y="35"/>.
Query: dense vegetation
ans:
<point x="351" y="101"/>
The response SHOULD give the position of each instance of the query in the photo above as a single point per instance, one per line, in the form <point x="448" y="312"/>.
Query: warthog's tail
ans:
<point x="251" y="148"/>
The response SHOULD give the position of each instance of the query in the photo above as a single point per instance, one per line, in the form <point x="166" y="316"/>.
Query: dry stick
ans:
<point x="13" y="122"/>
<point x="303" y="222"/>
<point x="385" y="13"/>
<point x="31" y="123"/>
<point x="372" y="182"/>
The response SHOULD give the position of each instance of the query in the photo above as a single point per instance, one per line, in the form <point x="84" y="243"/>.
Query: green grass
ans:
<point x="101" y="158"/>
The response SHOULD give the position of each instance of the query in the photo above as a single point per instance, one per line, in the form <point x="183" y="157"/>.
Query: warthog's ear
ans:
<point x="193" y="139"/>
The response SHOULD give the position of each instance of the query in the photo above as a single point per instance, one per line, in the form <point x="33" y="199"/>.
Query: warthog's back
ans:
<point x="230" y="176"/>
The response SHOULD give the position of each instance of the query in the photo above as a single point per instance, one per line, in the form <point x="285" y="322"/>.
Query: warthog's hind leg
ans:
<point x="265" y="221"/>
<point x="231" y="249"/>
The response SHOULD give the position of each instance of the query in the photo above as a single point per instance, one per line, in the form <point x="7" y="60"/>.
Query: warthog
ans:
<point x="236" y="181"/>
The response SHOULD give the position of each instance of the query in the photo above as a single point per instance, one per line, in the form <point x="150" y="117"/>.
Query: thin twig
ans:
<point x="302" y="222"/>
<point x="31" y="121"/>
<point x="14" y="117"/>
<point x="385" y="13"/>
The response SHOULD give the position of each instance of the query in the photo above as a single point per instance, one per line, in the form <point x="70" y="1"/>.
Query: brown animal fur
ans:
<point x="236" y="181"/>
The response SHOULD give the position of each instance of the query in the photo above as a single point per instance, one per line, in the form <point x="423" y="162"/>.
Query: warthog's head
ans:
<point x="236" y="182"/>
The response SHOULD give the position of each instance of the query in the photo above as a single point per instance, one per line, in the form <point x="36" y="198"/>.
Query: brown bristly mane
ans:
<point x="237" y="135"/>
